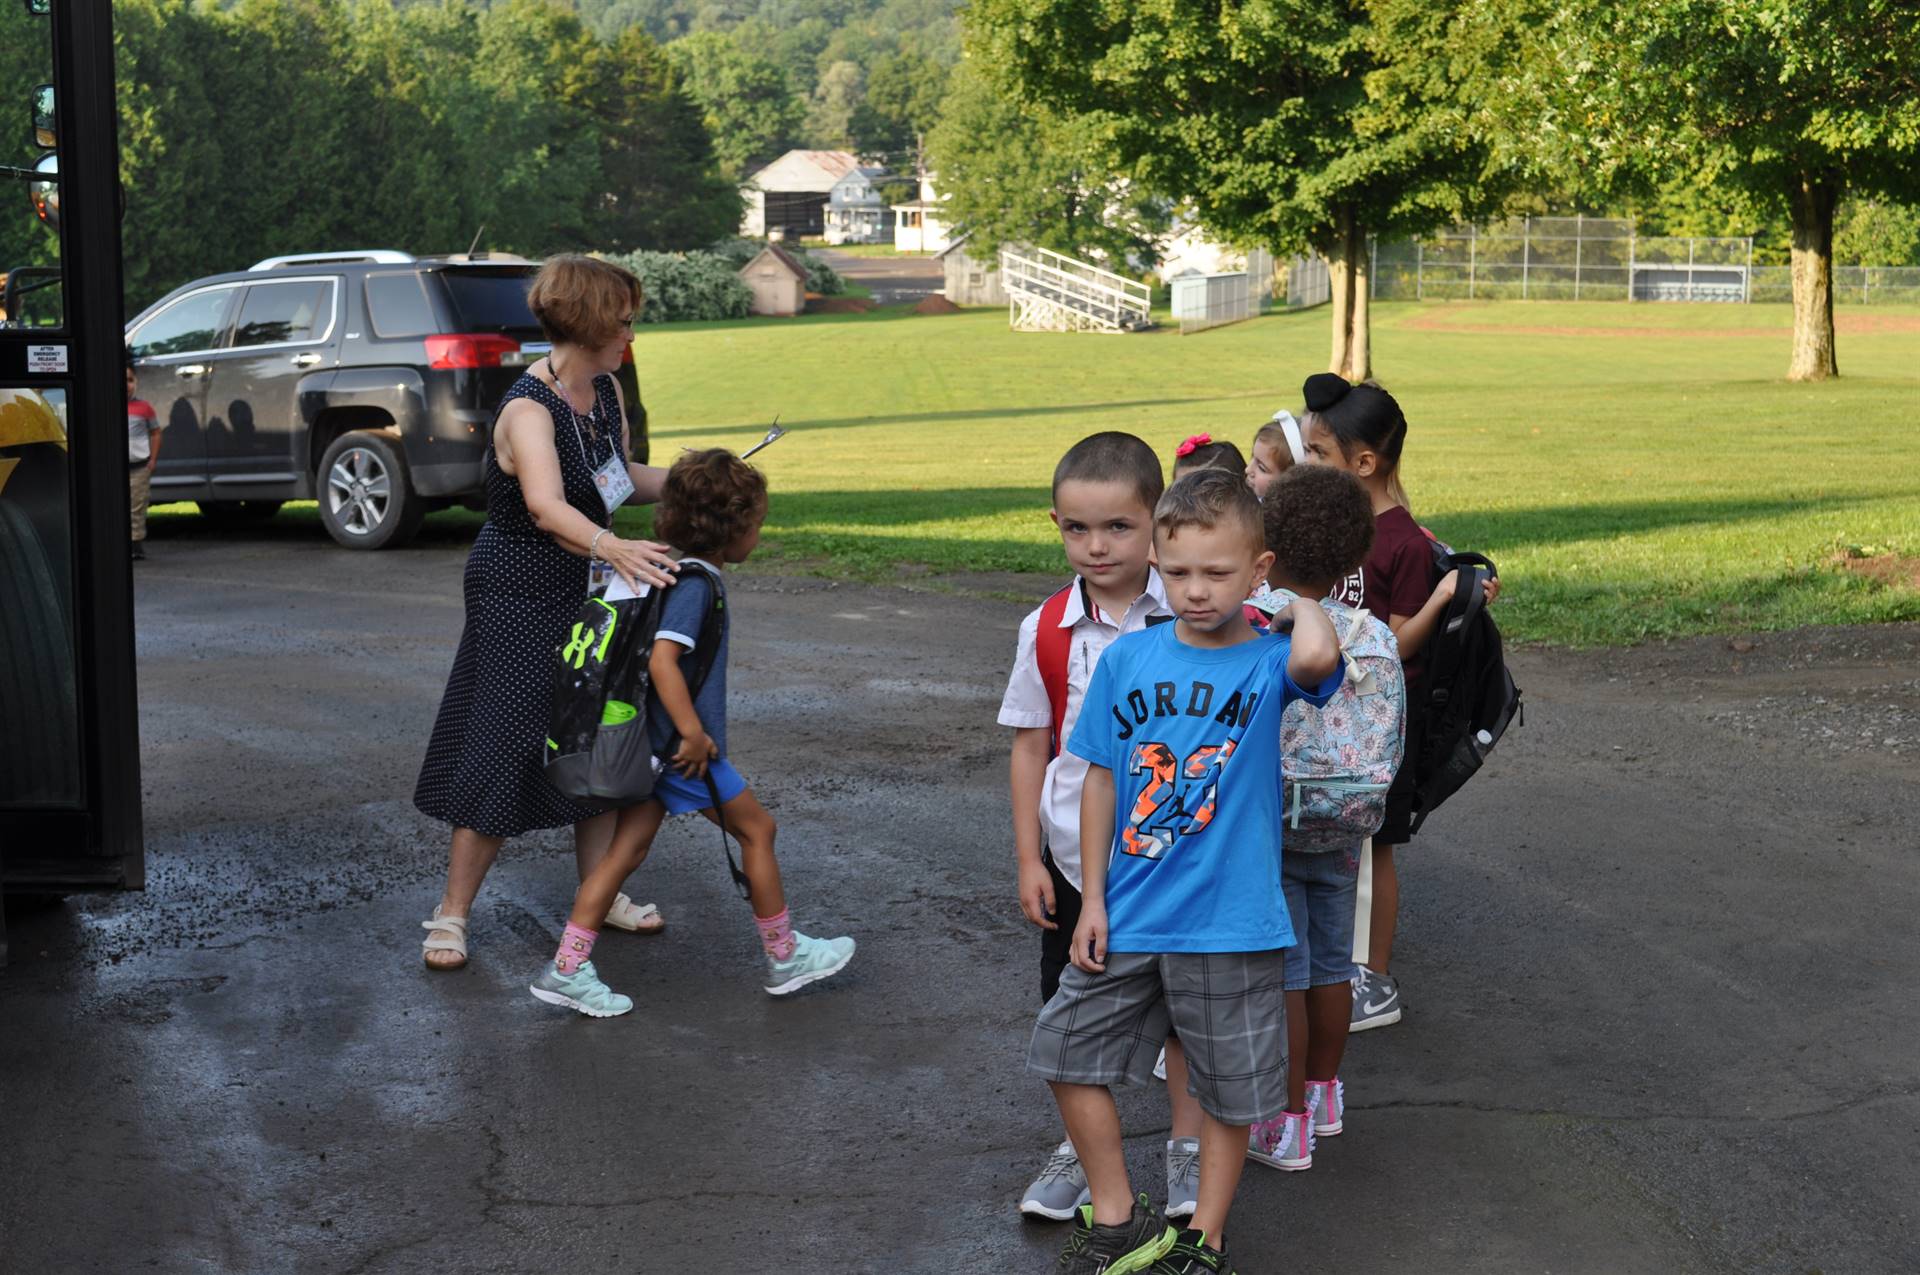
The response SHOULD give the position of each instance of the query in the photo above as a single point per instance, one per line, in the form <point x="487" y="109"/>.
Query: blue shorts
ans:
<point x="1320" y="900"/>
<point x="683" y="796"/>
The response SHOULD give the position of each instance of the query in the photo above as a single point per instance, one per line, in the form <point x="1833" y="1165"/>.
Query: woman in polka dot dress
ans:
<point x="555" y="443"/>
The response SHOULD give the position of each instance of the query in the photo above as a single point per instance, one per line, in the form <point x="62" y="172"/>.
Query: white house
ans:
<point x="788" y="198"/>
<point x="856" y="210"/>
<point x="920" y="225"/>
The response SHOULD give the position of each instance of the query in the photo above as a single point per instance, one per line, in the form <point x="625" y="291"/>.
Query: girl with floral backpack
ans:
<point x="1339" y="761"/>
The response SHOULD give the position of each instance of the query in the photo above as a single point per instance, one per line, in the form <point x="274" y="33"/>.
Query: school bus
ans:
<point x="69" y="729"/>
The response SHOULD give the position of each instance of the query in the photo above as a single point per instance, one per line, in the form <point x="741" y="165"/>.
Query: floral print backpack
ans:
<point x="1339" y="760"/>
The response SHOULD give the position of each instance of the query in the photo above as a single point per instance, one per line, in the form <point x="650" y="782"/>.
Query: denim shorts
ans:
<point x="1320" y="900"/>
<point x="683" y="796"/>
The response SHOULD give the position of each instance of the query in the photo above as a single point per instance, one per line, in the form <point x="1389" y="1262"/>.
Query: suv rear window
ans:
<point x="490" y="300"/>
<point x="399" y="306"/>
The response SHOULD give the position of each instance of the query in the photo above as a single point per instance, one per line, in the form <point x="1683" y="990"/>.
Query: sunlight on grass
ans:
<point x="1629" y="484"/>
<point x="1636" y="470"/>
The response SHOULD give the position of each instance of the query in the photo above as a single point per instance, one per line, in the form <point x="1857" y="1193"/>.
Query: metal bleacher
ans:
<point x="1049" y="292"/>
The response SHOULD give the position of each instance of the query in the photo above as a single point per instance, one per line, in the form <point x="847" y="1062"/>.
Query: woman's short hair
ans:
<point x="583" y="300"/>
<point x="711" y="499"/>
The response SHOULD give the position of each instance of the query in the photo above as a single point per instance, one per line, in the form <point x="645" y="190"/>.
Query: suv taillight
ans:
<point x="479" y="349"/>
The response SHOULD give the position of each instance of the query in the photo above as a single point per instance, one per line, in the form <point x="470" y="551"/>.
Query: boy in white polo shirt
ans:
<point x="1104" y="492"/>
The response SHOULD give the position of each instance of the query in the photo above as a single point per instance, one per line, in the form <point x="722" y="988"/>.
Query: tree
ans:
<point x="1798" y="104"/>
<point x="838" y="95"/>
<point x="661" y="186"/>
<point x="1014" y="174"/>
<point x="1298" y="126"/>
<point x="746" y="98"/>
<point x="904" y="93"/>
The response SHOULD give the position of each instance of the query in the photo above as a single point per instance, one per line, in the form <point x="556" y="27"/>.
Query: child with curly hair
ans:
<point x="710" y="511"/>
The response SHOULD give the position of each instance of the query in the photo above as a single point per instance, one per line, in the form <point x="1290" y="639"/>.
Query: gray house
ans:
<point x="970" y="282"/>
<point x="856" y="211"/>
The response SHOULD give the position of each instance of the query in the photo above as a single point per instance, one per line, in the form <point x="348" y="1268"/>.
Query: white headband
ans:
<point x="1291" y="428"/>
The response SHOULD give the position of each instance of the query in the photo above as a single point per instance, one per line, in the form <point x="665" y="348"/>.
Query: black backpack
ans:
<point x="598" y="747"/>
<point x="1469" y="696"/>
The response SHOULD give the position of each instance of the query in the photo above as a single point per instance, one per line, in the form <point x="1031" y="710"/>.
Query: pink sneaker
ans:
<point x="1327" y="1105"/>
<point x="1285" y="1142"/>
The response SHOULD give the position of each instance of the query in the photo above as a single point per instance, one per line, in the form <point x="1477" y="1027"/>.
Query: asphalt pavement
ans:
<point x="1654" y="961"/>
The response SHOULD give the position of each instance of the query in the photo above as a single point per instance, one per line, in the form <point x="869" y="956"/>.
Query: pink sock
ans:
<point x="576" y="945"/>
<point x="776" y="934"/>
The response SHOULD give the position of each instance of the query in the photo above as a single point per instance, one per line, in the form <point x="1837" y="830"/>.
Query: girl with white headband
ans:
<point x="1276" y="449"/>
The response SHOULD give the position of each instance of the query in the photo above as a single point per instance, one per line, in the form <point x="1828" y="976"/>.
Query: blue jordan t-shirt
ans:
<point x="1192" y="736"/>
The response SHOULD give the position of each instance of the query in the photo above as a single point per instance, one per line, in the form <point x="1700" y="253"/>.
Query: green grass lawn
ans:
<point x="1636" y="470"/>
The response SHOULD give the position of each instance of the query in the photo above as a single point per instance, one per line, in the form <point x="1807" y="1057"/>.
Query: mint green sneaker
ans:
<point x="812" y="960"/>
<point x="581" y="990"/>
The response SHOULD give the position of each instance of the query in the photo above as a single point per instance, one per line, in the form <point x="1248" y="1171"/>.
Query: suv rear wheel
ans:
<point x="366" y="499"/>
<point x="235" y="511"/>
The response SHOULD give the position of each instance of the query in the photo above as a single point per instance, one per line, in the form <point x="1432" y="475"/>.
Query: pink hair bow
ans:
<point x="1192" y="444"/>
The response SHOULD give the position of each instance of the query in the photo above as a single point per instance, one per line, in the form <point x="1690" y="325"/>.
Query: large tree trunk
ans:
<point x="1348" y="279"/>
<point x="1813" y="199"/>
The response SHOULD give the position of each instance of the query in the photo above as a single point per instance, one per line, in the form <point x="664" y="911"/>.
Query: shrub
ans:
<point x="684" y="287"/>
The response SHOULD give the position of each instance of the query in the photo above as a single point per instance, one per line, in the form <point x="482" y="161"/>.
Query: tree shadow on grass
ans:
<point x="960" y="414"/>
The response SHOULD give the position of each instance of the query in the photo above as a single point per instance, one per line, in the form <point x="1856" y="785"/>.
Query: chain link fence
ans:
<point x="1587" y="259"/>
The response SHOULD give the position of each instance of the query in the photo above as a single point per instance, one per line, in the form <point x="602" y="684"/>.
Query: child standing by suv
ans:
<point x="1104" y="491"/>
<point x="1187" y="925"/>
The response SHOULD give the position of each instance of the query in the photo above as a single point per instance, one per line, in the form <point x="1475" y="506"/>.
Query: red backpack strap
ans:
<point x="1052" y="644"/>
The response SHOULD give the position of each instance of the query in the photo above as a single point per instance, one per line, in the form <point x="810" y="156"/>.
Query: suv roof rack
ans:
<point x="482" y="257"/>
<point x="378" y="256"/>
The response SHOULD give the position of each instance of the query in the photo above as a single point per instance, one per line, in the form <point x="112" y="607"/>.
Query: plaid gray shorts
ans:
<point x="1228" y="1008"/>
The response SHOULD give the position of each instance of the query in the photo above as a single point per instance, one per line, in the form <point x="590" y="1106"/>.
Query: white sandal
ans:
<point x="456" y="927"/>
<point x="638" y="918"/>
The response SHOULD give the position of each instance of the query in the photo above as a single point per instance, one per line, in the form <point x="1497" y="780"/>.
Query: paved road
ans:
<point x="1659" y="963"/>
<point x="892" y="280"/>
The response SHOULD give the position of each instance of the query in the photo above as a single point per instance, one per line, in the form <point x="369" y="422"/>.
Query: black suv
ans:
<point x="365" y="380"/>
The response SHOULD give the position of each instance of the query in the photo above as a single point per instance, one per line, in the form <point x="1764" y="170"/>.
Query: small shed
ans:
<point x="970" y="282"/>
<point x="777" y="281"/>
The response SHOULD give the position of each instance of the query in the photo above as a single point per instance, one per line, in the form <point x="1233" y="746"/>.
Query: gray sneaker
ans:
<point x="1060" y="1189"/>
<point x="1183" y="1177"/>
<point x="1376" y="1000"/>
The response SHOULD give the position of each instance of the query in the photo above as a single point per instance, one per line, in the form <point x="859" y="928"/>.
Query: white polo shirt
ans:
<point x="1026" y="704"/>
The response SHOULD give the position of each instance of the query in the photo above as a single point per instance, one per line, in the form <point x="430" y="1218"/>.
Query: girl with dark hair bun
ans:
<point x="1361" y="429"/>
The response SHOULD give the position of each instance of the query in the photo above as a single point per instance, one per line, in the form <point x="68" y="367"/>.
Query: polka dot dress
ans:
<point x="483" y="765"/>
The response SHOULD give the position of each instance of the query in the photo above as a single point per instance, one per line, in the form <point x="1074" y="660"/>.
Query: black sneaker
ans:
<point x="139" y="551"/>
<point x="1191" y="1256"/>
<point x="1134" y="1245"/>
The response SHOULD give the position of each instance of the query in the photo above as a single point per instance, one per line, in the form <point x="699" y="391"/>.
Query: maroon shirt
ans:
<point x="1397" y="578"/>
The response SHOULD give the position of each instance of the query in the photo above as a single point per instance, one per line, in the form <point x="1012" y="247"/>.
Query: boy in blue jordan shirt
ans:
<point x="1185" y="926"/>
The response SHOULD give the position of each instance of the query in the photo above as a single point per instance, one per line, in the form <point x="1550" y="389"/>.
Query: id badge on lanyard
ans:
<point x="613" y="482"/>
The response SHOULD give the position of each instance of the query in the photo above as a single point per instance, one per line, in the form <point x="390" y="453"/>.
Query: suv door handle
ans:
<point x="187" y="371"/>
<point x="305" y="360"/>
